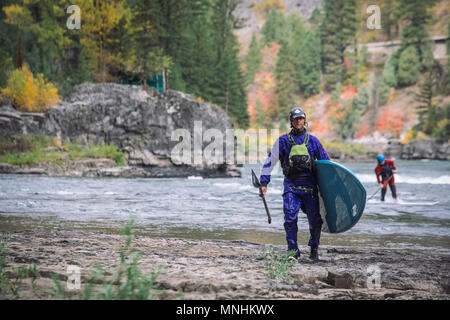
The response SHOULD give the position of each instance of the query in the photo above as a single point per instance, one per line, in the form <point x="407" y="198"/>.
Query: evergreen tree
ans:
<point x="428" y="116"/>
<point x="360" y="100"/>
<point x="348" y="115"/>
<point x="8" y="45"/>
<point x="273" y="26"/>
<point x="390" y="13"/>
<point x="338" y="32"/>
<point x="316" y="18"/>
<point x="260" y="115"/>
<point x="388" y="80"/>
<point x="48" y="46"/>
<point x="288" y="71"/>
<point x="336" y="93"/>
<point x="446" y="84"/>
<point x="228" y="85"/>
<point x="197" y="62"/>
<point x="442" y="131"/>
<point x="149" y="56"/>
<point x="309" y="64"/>
<point x="408" y="67"/>
<point x="253" y="59"/>
<point x="287" y="81"/>
<point x="417" y="17"/>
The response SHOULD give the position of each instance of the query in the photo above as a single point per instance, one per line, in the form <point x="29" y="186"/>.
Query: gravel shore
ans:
<point x="218" y="269"/>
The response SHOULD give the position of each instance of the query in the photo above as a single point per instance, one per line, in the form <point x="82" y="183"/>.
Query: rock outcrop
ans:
<point x="140" y="122"/>
<point x="419" y="149"/>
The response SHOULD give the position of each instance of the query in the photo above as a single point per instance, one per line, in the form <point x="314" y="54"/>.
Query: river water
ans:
<point x="229" y="208"/>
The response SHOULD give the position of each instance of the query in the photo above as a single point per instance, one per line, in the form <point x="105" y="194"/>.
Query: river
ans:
<point x="229" y="208"/>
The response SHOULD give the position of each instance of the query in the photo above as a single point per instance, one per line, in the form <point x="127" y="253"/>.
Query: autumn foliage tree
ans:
<point x="391" y="121"/>
<point x="25" y="92"/>
<point x="101" y="19"/>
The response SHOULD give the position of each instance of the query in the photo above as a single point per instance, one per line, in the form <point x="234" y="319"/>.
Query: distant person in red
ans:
<point x="385" y="175"/>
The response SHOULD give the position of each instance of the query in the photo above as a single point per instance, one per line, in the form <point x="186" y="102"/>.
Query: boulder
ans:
<point x="426" y="149"/>
<point x="143" y="123"/>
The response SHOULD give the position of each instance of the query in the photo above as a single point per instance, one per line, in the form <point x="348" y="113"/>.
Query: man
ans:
<point x="297" y="151"/>
<point x="385" y="175"/>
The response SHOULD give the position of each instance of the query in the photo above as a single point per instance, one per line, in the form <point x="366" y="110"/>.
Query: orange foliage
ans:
<point x="346" y="63"/>
<point x="348" y="93"/>
<point x="320" y="125"/>
<point x="268" y="5"/>
<point x="264" y="85"/>
<point x="336" y="111"/>
<point x="391" y="95"/>
<point x="391" y="121"/>
<point x="362" y="131"/>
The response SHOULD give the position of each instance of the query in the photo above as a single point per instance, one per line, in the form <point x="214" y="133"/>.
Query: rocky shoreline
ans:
<point x="143" y="123"/>
<point x="105" y="168"/>
<point x="218" y="269"/>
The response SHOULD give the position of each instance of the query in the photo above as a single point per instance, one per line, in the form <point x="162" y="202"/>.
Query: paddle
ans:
<point x="257" y="184"/>
<point x="384" y="184"/>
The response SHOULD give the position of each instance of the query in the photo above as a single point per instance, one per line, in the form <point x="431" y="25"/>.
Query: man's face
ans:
<point x="298" y="123"/>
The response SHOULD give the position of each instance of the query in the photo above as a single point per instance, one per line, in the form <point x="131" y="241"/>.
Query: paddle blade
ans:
<point x="255" y="180"/>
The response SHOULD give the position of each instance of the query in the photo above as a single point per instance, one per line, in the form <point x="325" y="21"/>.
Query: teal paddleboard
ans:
<point x="342" y="196"/>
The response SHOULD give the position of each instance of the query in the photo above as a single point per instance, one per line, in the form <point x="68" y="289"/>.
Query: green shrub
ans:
<point x="278" y="265"/>
<point x="128" y="281"/>
<point x="10" y="282"/>
<point x="17" y="144"/>
<point x="408" y="67"/>
<point x="32" y="150"/>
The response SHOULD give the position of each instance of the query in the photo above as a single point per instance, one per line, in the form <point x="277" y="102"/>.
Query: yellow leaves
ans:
<point x="99" y="20"/>
<point x="410" y="135"/>
<point x="28" y="93"/>
<point x="268" y="5"/>
<point x="18" y="16"/>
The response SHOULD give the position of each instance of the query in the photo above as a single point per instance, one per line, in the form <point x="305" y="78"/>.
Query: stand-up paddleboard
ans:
<point x="342" y="196"/>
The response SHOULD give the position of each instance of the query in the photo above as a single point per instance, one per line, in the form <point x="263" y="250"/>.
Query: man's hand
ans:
<point x="381" y="185"/>
<point x="264" y="190"/>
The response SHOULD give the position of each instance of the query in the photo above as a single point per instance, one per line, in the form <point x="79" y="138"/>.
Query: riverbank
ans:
<point x="217" y="269"/>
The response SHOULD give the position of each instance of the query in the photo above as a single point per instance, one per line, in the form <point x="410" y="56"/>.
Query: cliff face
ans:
<point x="140" y="122"/>
<point x="254" y="20"/>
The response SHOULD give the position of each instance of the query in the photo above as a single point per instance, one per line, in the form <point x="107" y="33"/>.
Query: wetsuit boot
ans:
<point x="314" y="255"/>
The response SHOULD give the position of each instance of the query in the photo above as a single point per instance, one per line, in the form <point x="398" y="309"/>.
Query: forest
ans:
<point x="193" y="45"/>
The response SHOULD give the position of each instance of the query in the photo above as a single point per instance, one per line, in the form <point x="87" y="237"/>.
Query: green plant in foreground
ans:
<point x="128" y="281"/>
<point x="278" y="265"/>
<point x="4" y="280"/>
<point x="10" y="282"/>
<point x="32" y="150"/>
<point x="8" y="288"/>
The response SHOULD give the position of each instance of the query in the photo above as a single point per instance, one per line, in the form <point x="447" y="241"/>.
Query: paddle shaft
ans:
<point x="269" y="219"/>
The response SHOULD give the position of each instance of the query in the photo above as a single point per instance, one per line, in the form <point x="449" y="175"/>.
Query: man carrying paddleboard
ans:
<point x="297" y="151"/>
<point x="385" y="176"/>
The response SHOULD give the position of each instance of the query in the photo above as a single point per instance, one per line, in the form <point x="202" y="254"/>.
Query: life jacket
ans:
<point x="299" y="162"/>
<point x="386" y="171"/>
